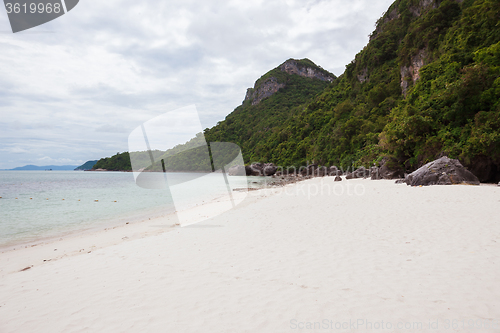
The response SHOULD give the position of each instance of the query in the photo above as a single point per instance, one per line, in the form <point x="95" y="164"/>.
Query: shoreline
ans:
<point x="301" y="253"/>
<point x="270" y="186"/>
<point x="275" y="184"/>
<point x="69" y="232"/>
<point x="72" y="242"/>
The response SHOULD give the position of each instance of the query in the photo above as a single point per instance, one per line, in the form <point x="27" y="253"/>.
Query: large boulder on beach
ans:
<point x="361" y="172"/>
<point x="261" y="169"/>
<point x="443" y="171"/>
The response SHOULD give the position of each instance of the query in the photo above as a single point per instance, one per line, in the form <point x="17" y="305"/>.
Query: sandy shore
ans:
<point x="358" y="255"/>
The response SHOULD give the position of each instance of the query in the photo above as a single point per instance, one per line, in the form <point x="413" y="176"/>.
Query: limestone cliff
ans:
<point x="412" y="73"/>
<point x="264" y="90"/>
<point x="292" y="66"/>
<point x="275" y="80"/>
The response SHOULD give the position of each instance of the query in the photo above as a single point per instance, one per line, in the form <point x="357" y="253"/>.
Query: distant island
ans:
<point x="31" y="167"/>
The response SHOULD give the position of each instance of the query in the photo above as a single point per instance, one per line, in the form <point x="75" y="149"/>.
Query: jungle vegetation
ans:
<point x="426" y="85"/>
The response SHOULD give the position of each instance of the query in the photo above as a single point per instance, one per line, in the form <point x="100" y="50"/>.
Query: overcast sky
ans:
<point x="73" y="89"/>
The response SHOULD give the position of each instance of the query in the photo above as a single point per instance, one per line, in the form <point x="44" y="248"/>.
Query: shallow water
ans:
<point x="40" y="204"/>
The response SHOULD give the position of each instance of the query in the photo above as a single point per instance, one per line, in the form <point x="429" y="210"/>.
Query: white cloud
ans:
<point x="15" y="150"/>
<point x="57" y="161"/>
<point x="108" y="66"/>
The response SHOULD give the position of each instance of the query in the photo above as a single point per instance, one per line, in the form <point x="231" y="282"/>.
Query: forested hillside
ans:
<point x="275" y="97"/>
<point x="251" y="124"/>
<point x="118" y="162"/>
<point x="426" y="85"/>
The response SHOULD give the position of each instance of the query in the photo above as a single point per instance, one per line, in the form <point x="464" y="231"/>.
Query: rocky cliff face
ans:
<point x="291" y="66"/>
<point x="412" y="72"/>
<point x="268" y="86"/>
<point x="363" y="76"/>
<point x="416" y="10"/>
<point x="265" y="89"/>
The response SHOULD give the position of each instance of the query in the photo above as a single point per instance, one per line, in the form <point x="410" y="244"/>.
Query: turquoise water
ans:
<point x="40" y="204"/>
<point x="37" y="204"/>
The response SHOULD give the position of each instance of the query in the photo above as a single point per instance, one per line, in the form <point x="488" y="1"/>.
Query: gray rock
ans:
<point x="338" y="179"/>
<point x="485" y="168"/>
<point x="308" y="170"/>
<point x="269" y="169"/>
<point x="250" y="171"/>
<point x="443" y="171"/>
<point x="361" y="172"/>
<point x="389" y="169"/>
<point x="261" y="169"/>
<point x="321" y="172"/>
<point x="375" y="173"/>
<point x="237" y="170"/>
<point x="333" y="171"/>
<point x="498" y="183"/>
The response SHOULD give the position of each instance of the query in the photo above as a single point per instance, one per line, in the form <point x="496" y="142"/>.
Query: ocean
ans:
<point x="41" y="204"/>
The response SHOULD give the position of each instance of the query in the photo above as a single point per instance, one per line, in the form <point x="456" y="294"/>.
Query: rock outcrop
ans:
<point x="261" y="169"/>
<point x="388" y="169"/>
<point x="264" y="88"/>
<point x="334" y="171"/>
<point x="292" y="66"/>
<point x="363" y="76"/>
<point x="485" y="169"/>
<point x="411" y="73"/>
<point x="443" y="171"/>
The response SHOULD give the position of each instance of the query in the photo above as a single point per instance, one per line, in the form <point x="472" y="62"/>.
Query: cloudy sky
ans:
<point x="73" y="89"/>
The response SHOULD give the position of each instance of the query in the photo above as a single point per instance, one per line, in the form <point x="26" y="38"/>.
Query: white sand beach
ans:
<point x="352" y="256"/>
